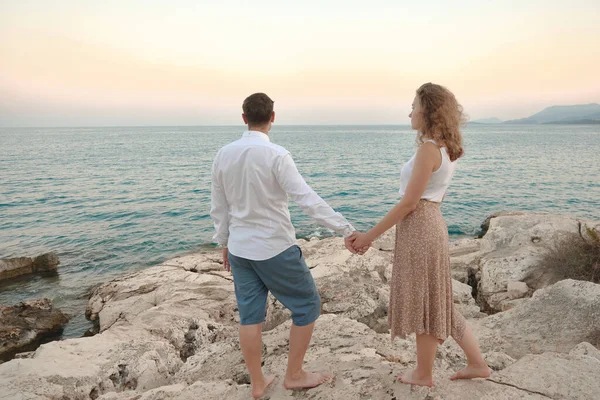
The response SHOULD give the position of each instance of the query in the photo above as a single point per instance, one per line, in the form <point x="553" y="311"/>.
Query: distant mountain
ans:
<point x="591" y="119"/>
<point x="575" y="122"/>
<point x="576" y="114"/>
<point x="487" y="121"/>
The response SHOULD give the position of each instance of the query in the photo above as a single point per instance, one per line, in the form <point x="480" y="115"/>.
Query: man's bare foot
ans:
<point x="413" y="378"/>
<point x="258" y="390"/>
<point x="472" y="371"/>
<point x="305" y="380"/>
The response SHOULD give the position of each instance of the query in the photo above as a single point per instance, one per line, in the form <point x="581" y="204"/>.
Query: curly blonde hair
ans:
<point x="442" y="119"/>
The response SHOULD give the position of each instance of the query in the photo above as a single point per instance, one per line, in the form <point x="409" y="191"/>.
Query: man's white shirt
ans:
<point x="251" y="181"/>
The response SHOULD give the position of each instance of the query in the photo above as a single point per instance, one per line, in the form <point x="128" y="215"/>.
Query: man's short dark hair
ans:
<point x="258" y="108"/>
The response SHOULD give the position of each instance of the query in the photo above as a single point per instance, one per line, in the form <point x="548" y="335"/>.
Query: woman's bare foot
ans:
<point x="472" y="371"/>
<point x="259" y="389"/>
<point x="413" y="378"/>
<point x="305" y="380"/>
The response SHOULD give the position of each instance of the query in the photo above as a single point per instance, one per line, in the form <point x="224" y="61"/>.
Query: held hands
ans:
<point x="358" y="243"/>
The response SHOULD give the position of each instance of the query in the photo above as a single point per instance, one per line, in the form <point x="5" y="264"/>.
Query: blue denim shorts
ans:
<point x="286" y="276"/>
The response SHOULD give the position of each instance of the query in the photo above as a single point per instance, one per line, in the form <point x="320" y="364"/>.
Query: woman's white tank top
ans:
<point x="439" y="180"/>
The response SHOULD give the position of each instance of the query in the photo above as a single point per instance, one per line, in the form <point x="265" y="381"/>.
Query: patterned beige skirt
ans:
<point x="421" y="286"/>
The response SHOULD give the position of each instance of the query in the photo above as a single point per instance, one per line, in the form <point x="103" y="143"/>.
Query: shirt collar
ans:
<point x="256" y="134"/>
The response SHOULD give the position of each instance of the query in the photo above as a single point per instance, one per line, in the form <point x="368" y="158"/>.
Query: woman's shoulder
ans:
<point x="428" y="148"/>
<point x="428" y="155"/>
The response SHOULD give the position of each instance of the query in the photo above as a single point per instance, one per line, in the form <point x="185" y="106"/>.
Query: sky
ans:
<point x="179" y="62"/>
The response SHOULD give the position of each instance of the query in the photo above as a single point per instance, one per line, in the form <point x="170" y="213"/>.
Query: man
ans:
<point x="251" y="181"/>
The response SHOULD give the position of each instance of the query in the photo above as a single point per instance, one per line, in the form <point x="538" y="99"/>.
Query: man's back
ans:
<point x="246" y="174"/>
<point x="251" y="181"/>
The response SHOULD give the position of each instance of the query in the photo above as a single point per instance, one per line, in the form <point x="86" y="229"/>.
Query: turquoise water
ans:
<point x="114" y="200"/>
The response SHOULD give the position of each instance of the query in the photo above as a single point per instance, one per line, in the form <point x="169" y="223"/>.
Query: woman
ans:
<point x="421" y="286"/>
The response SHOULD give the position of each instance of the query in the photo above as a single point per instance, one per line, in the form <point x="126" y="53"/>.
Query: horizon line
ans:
<point x="184" y="126"/>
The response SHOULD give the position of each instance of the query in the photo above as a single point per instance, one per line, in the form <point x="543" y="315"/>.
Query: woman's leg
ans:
<point x="476" y="365"/>
<point x="423" y="374"/>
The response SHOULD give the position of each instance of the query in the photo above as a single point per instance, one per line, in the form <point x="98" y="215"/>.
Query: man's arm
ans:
<point x="219" y="211"/>
<point x="310" y="202"/>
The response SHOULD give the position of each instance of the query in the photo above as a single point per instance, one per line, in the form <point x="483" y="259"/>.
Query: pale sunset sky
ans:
<point x="129" y="62"/>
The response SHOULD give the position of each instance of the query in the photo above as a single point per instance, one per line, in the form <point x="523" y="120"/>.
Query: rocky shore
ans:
<point x="26" y="325"/>
<point x="170" y="331"/>
<point x="15" y="267"/>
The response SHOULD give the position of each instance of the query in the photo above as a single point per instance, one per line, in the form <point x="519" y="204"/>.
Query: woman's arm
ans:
<point x="428" y="156"/>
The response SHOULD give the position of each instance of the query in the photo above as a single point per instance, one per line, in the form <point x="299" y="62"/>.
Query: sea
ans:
<point x="114" y="200"/>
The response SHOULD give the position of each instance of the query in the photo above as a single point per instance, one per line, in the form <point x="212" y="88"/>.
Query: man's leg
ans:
<point x="299" y="341"/>
<point x="251" y="295"/>
<point x="289" y="279"/>
<point x="296" y="377"/>
<point x="251" y="344"/>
